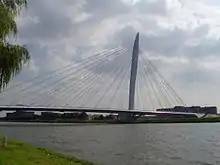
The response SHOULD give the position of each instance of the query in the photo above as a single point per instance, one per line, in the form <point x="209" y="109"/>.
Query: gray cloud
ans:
<point x="194" y="74"/>
<point x="56" y="38"/>
<point x="174" y="42"/>
<point x="104" y="9"/>
<point x="154" y="7"/>
<point x="50" y="22"/>
<point x="204" y="49"/>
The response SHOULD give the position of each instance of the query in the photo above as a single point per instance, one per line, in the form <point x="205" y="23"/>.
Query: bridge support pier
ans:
<point x="126" y="117"/>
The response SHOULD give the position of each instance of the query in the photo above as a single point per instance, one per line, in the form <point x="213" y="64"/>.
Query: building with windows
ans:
<point x="192" y="109"/>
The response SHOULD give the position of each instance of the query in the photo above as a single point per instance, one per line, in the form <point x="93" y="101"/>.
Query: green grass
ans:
<point x="18" y="153"/>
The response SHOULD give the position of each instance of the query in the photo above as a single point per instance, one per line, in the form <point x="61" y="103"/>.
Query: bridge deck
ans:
<point x="92" y="110"/>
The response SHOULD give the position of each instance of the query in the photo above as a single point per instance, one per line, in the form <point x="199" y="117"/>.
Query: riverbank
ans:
<point x="19" y="153"/>
<point x="145" y="121"/>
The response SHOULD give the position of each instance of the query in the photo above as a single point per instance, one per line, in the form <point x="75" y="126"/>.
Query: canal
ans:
<point x="139" y="144"/>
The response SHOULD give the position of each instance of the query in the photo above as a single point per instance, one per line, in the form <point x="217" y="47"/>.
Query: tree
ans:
<point x="12" y="57"/>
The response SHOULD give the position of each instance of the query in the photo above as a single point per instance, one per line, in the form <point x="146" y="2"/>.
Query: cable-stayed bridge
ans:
<point x="110" y="81"/>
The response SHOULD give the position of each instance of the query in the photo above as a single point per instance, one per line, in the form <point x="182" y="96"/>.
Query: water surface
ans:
<point x="139" y="144"/>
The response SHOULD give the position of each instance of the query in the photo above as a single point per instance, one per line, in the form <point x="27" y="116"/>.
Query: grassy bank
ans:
<point x="18" y="153"/>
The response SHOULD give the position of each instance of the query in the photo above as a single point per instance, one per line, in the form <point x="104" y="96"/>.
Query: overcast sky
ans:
<point x="180" y="36"/>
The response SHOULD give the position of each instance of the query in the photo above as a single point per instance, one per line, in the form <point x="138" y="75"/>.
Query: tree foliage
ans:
<point x="12" y="57"/>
